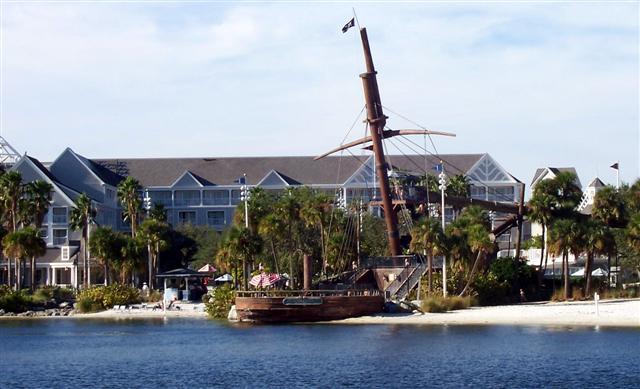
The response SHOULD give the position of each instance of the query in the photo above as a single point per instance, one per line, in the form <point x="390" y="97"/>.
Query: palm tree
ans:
<point x="597" y="240"/>
<point x="560" y="244"/>
<point x="153" y="234"/>
<point x="243" y="244"/>
<point x="11" y="193"/>
<point x="130" y="259"/>
<point x="427" y="236"/>
<point x="22" y="244"/>
<point x="609" y="207"/>
<point x="540" y="211"/>
<point x="128" y="192"/>
<point x="158" y="212"/>
<point x="38" y="201"/>
<point x="81" y="218"/>
<point x="105" y="248"/>
<point x="480" y="243"/>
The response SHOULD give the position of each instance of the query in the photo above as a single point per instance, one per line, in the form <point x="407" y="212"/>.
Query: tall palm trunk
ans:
<point x="542" y="270"/>
<point x="587" y="273"/>
<point x="18" y="275"/>
<point x="565" y="271"/>
<point x="473" y="273"/>
<point x="33" y="273"/>
<point x="430" y="273"/>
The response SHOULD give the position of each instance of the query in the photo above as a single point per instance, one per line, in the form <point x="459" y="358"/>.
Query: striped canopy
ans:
<point x="264" y="279"/>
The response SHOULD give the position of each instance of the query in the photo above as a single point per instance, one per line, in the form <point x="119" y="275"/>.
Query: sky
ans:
<point x="532" y="84"/>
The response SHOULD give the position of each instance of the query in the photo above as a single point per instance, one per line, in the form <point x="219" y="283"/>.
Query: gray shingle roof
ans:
<point x="304" y="170"/>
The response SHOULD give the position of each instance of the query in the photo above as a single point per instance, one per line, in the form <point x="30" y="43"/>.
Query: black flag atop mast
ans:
<point x="349" y="24"/>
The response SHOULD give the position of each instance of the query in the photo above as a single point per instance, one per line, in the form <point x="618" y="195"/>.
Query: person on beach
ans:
<point x="522" y="296"/>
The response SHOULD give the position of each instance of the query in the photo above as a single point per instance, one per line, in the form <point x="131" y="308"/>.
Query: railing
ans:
<point x="406" y="281"/>
<point x="357" y="275"/>
<point x="395" y="261"/>
<point x="307" y="293"/>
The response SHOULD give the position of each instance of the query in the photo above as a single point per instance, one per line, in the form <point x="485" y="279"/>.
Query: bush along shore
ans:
<point x="47" y="301"/>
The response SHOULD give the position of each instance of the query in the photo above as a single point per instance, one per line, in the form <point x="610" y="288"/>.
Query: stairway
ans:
<point x="406" y="281"/>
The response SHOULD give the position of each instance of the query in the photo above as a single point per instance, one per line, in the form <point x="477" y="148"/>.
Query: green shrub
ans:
<point x="104" y="297"/>
<point x="14" y="301"/>
<point x="220" y="302"/>
<point x="441" y="304"/>
<point x="490" y="290"/>
<point x="54" y="292"/>
<point x="154" y="296"/>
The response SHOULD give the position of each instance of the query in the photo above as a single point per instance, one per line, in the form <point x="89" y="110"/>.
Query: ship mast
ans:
<point x="377" y="120"/>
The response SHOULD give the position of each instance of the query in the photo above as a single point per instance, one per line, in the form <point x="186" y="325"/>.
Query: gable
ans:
<point x="186" y="180"/>
<point x="487" y="170"/>
<point x="273" y="178"/>
<point x="69" y="170"/>
<point x="31" y="171"/>
<point x="365" y="175"/>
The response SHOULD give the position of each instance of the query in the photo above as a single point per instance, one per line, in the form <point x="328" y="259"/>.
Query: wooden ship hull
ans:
<point x="290" y="308"/>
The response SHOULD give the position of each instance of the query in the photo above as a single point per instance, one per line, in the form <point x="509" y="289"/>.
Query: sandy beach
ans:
<point x="611" y="313"/>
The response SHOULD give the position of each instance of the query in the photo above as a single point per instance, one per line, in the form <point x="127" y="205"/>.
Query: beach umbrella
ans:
<point x="264" y="279"/>
<point x="599" y="273"/>
<point x="207" y="269"/>
<point x="225" y="278"/>
<point x="579" y="273"/>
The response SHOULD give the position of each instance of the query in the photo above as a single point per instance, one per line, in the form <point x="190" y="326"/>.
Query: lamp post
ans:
<point x="244" y="196"/>
<point x="147" y="206"/>
<point x="443" y="186"/>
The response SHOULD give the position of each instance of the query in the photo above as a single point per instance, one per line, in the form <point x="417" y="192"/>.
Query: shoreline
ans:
<point x="611" y="313"/>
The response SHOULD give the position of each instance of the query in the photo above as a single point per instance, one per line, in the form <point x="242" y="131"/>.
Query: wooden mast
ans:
<point x="377" y="121"/>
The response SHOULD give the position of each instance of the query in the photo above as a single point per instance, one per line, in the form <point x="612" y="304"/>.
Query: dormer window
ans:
<point x="59" y="215"/>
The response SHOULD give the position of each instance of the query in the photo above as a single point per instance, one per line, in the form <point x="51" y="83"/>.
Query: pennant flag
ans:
<point x="614" y="166"/>
<point x="349" y="24"/>
<point x="438" y="167"/>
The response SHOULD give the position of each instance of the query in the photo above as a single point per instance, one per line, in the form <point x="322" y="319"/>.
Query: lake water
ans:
<point x="202" y="353"/>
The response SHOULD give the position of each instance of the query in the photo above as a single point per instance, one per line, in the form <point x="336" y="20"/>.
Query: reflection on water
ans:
<point x="191" y="352"/>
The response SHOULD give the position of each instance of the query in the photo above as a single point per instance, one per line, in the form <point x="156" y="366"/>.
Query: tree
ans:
<point x="480" y="243"/>
<point x="22" y="244"/>
<point x="153" y="234"/>
<point x="11" y="192"/>
<point x="158" y="212"/>
<point x="38" y="195"/>
<point x="243" y="244"/>
<point x="38" y="200"/>
<point x="609" y="207"/>
<point x="105" y="247"/>
<point x="81" y="218"/>
<point x="128" y="193"/>
<point x="560" y="244"/>
<point x="427" y="236"/>
<point x="597" y="240"/>
<point x="540" y="211"/>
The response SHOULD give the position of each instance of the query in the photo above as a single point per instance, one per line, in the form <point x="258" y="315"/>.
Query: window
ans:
<point x="187" y="197"/>
<point x="60" y="215"/>
<point x="215" y="197"/>
<point x="59" y="236"/>
<point x="215" y="218"/>
<point x="504" y="194"/>
<point x="235" y="196"/>
<point x="478" y="192"/>
<point x="109" y="194"/>
<point x="43" y="233"/>
<point x="187" y="217"/>
<point x="160" y="197"/>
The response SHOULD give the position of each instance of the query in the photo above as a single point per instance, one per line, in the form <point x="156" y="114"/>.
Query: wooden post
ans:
<point x="377" y="121"/>
<point x="306" y="270"/>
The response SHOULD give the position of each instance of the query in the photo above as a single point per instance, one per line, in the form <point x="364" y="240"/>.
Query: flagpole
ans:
<point x="618" y="176"/>
<point x="356" y="17"/>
